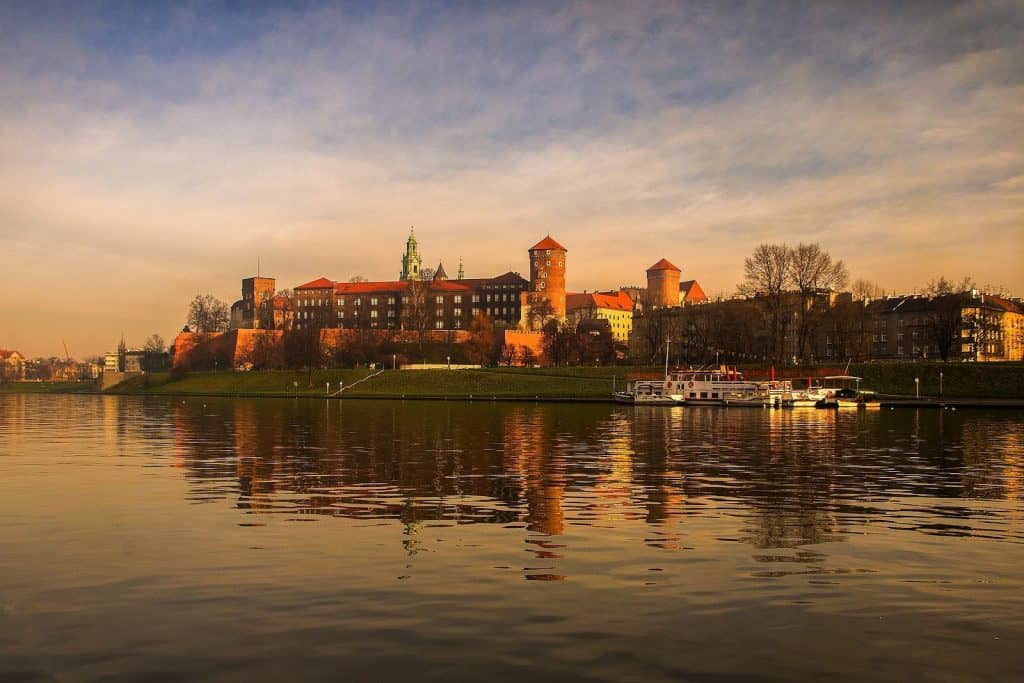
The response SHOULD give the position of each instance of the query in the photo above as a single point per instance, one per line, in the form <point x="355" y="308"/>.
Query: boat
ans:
<point x="720" y="386"/>
<point x="646" y="393"/>
<point x="842" y="391"/>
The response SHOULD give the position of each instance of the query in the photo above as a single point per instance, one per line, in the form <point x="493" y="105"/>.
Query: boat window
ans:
<point x="714" y="394"/>
<point x="703" y="394"/>
<point x="693" y="394"/>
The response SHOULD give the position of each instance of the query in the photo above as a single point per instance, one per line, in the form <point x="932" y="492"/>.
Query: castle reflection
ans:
<point x="788" y="478"/>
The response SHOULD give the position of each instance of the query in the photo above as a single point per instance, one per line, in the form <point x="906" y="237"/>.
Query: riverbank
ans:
<point x="972" y="382"/>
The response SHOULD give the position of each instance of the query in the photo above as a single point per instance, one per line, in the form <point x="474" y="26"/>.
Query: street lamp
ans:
<point x="394" y="361"/>
<point x="449" y="362"/>
<point x="940" y="383"/>
<point x="917" y="387"/>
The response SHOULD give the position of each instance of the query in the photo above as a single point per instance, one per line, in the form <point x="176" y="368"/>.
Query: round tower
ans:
<point x="663" y="285"/>
<point x="547" y="273"/>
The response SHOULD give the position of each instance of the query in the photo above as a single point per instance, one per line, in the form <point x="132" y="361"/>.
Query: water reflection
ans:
<point x="789" y="478"/>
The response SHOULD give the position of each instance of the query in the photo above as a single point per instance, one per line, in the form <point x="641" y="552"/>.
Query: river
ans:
<point x="299" y="539"/>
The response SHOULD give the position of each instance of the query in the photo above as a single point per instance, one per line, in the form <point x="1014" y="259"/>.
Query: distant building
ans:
<point x="255" y="309"/>
<point x="615" y="307"/>
<point x="12" y="364"/>
<point x="690" y="292"/>
<point x="663" y="285"/>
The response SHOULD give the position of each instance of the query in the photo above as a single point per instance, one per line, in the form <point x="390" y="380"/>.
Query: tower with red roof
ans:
<point x="547" y="273"/>
<point x="663" y="285"/>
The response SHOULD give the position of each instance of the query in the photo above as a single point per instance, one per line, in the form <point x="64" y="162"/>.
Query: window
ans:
<point x="458" y="324"/>
<point x="391" y="300"/>
<point x="391" y="314"/>
<point x="373" y="314"/>
<point x="440" y="300"/>
<point x="458" y="299"/>
<point x="373" y="301"/>
<point x="439" y="325"/>
<point x="405" y="300"/>
<point x="341" y="314"/>
<point x="488" y="297"/>
<point x="341" y="301"/>
<point x="476" y="298"/>
<point x="458" y="312"/>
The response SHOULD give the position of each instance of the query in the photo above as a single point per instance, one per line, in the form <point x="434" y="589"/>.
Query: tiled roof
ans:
<point x="371" y="287"/>
<point x="616" y="301"/>
<point x="692" y="291"/>
<point x="547" y="243"/>
<point x="7" y="353"/>
<point x="663" y="264"/>
<point x="319" y="283"/>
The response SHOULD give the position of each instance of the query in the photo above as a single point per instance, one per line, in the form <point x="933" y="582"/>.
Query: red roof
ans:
<point x="319" y="283"/>
<point x="371" y="287"/>
<point x="617" y="301"/>
<point x="547" y="243"/>
<point x="692" y="291"/>
<point x="663" y="264"/>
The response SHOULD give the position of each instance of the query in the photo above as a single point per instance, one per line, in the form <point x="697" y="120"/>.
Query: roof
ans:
<point x="616" y="301"/>
<point x="7" y="353"/>
<point x="547" y="243"/>
<point x="439" y="273"/>
<point x="319" y="283"/>
<point x="663" y="264"/>
<point x="692" y="291"/>
<point x="371" y="287"/>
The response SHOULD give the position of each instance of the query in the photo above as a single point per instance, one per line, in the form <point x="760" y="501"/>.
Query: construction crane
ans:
<point x="66" y="354"/>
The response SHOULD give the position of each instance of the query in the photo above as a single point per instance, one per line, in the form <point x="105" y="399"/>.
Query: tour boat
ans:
<point x="722" y="386"/>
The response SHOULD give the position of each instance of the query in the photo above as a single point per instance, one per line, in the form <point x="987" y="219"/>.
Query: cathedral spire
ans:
<point x="462" y="271"/>
<point x="411" y="261"/>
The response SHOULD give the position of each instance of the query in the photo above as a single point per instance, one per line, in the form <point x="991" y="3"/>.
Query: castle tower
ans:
<point x="547" y="273"/>
<point x="462" y="271"/>
<point x="663" y="285"/>
<point x="439" y="273"/>
<point x="411" y="261"/>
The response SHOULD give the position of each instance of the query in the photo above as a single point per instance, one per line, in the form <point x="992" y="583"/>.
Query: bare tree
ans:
<point x="767" y="276"/>
<point x="303" y="345"/>
<point x="155" y="344"/>
<point x="527" y="355"/>
<point x="208" y="314"/>
<point x="426" y="274"/>
<point x="416" y="311"/>
<point x="358" y="278"/>
<point x="813" y="273"/>
<point x="867" y="291"/>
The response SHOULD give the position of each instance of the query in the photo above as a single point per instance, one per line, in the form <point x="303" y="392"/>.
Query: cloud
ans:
<point x="176" y="146"/>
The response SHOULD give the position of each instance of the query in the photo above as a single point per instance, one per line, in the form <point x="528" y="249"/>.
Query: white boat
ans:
<point x="842" y="391"/>
<point x="647" y="393"/>
<point x="721" y="386"/>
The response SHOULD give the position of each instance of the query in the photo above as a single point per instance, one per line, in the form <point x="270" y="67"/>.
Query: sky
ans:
<point x="150" y="152"/>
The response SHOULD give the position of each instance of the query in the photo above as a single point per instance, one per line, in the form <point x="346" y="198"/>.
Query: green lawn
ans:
<point x="45" y="387"/>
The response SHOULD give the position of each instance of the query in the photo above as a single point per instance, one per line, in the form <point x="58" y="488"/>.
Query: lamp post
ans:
<point x="917" y="387"/>
<point x="940" y="383"/>
<point x="449" y="362"/>
<point x="394" y="361"/>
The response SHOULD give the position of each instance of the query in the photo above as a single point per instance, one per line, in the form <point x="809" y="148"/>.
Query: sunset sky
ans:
<point x="149" y="153"/>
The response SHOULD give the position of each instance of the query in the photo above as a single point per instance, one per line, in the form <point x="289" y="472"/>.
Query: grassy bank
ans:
<point x="46" y="387"/>
<point x="960" y="380"/>
<point x="505" y="383"/>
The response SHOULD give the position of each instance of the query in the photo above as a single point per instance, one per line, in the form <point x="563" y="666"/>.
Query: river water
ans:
<point x="299" y="539"/>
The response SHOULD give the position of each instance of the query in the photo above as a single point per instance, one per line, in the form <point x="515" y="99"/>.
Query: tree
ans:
<point x="509" y="354"/>
<point x="527" y="355"/>
<point x="357" y="278"/>
<point x="208" y="314"/>
<point x="946" y="317"/>
<point x="303" y="345"/>
<point x="416" y="312"/>
<point x="867" y="291"/>
<point x="538" y="311"/>
<point x="813" y="273"/>
<point x="767" y="275"/>
<point x="482" y="339"/>
<point x="155" y="344"/>
<point x="558" y="342"/>
<point x="426" y="274"/>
